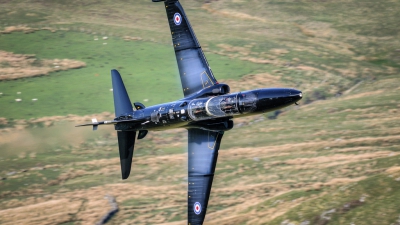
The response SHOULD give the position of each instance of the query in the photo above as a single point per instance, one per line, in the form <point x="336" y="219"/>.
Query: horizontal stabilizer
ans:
<point x="109" y="122"/>
<point x="126" y="143"/>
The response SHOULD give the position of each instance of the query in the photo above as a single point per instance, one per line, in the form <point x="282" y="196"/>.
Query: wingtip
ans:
<point x="114" y="71"/>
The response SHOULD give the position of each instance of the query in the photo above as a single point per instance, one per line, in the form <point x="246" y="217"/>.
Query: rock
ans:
<point x="11" y="173"/>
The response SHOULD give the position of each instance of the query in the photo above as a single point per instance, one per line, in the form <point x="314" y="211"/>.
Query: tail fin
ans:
<point x="122" y="103"/>
<point x="123" y="108"/>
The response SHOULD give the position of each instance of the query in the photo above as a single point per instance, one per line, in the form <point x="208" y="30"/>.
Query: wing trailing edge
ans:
<point x="203" y="149"/>
<point x="195" y="73"/>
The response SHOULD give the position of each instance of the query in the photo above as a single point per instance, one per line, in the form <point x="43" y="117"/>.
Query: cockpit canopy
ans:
<point x="222" y="106"/>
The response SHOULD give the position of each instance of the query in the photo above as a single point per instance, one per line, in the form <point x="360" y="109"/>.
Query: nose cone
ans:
<point x="275" y="98"/>
<point x="296" y="94"/>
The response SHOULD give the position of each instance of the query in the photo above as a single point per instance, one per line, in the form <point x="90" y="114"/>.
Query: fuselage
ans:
<point x="202" y="111"/>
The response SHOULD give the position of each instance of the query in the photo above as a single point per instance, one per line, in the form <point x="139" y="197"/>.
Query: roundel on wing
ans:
<point x="177" y="19"/>
<point x="197" y="208"/>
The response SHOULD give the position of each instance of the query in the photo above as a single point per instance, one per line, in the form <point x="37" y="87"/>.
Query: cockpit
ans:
<point x="222" y="106"/>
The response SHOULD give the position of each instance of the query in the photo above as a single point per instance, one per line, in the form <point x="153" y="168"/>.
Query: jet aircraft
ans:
<point x="206" y="111"/>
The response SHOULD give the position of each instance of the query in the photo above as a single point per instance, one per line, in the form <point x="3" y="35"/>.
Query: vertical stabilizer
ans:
<point x="122" y="103"/>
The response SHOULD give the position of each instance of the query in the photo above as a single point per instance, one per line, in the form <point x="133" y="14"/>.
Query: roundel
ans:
<point x="177" y="19"/>
<point x="197" y="208"/>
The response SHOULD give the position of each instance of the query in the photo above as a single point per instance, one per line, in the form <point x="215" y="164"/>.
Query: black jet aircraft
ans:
<point x="206" y="111"/>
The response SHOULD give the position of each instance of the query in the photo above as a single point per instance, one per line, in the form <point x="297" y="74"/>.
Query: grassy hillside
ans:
<point x="332" y="160"/>
<point x="310" y="46"/>
<point x="336" y="159"/>
<point x="87" y="90"/>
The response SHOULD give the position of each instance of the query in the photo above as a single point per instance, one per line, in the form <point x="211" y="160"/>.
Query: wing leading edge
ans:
<point x="203" y="149"/>
<point x="194" y="70"/>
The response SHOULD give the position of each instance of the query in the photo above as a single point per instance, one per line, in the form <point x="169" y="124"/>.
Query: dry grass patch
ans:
<point x="230" y="48"/>
<point x="278" y="51"/>
<point x="309" y="68"/>
<point x="305" y="146"/>
<point x="50" y="212"/>
<point x="254" y="81"/>
<point x="20" y="28"/>
<point x="339" y="158"/>
<point x="129" y="38"/>
<point x="16" y="66"/>
<point x="88" y="205"/>
<point x="378" y="117"/>
<point x="245" y="54"/>
<point x="71" y="174"/>
<point x="343" y="180"/>
<point x="304" y="30"/>
<point x="357" y="149"/>
<point x="394" y="169"/>
<point x="232" y="14"/>
<point x="362" y="95"/>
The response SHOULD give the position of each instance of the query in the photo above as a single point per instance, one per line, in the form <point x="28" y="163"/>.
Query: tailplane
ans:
<point x="126" y="144"/>
<point x="123" y="111"/>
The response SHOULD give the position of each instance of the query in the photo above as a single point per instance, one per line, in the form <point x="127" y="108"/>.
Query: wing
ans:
<point x="203" y="149"/>
<point x="194" y="70"/>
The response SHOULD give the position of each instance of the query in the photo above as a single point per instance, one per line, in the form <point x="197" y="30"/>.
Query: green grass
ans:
<point x="300" y="127"/>
<point x="149" y="71"/>
<point x="21" y="16"/>
<point x="382" y="195"/>
<point x="148" y="67"/>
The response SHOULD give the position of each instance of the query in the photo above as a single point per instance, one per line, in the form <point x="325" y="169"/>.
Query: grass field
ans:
<point x="87" y="90"/>
<point x="305" y="51"/>
<point x="334" y="160"/>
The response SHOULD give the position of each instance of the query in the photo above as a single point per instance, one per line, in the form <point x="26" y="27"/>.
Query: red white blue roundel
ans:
<point x="177" y="19"/>
<point x="197" y="208"/>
